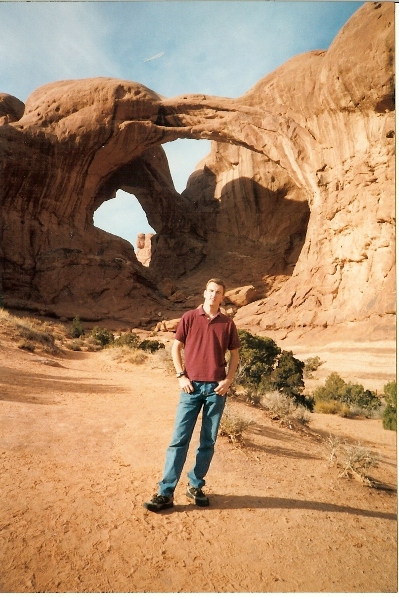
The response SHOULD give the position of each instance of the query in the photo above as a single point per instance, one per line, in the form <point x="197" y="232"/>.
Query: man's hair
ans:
<point x="217" y="281"/>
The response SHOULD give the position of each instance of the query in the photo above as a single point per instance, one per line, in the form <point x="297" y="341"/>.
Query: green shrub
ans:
<point x="352" y="395"/>
<point x="102" y="336"/>
<point x="311" y="365"/>
<point x="389" y="418"/>
<point x="287" y="377"/>
<point x="332" y="390"/>
<point x="151" y="345"/>
<point x="389" y="414"/>
<point x="77" y="328"/>
<point x="257" y="359"/>
<point x="265" y="367"/>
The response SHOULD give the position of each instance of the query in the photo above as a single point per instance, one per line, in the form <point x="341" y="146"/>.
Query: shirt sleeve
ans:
<point x="234" y="341"/>
<point x="181" y="331"/>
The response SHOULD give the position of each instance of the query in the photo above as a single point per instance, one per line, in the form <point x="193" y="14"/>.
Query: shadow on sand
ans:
<point x="235" y="502"/>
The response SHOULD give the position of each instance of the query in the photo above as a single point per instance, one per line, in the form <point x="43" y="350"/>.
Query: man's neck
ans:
<point x="210" y="310"/>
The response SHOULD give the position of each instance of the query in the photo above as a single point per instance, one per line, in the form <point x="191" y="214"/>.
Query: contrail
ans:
<point x="154" y="57"/>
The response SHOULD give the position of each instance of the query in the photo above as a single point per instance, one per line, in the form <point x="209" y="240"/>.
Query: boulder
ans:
<point x="241" y="296"/>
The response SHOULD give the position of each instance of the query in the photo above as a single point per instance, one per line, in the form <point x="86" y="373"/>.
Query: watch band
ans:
<point x="180" y="374"/>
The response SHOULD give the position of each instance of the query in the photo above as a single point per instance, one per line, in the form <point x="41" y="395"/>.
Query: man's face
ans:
<point x="213" y="294"/>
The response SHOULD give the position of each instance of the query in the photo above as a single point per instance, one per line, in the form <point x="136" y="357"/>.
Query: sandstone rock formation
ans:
<point x="240" y="297"/>
<point x="296" y="197"/>
<point x="143" y="248"/>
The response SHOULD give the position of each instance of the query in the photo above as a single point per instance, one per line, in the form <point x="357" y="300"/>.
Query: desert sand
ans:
<point x="83" y="438"/>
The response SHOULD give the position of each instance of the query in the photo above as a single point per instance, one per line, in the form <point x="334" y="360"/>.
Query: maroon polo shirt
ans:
<point x="205" y="344"/>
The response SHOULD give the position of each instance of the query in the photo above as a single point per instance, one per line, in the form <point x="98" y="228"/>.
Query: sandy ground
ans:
<point x="82" y="446"/>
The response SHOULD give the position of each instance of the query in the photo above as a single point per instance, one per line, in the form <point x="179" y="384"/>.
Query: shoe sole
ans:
<point x="197" y="501"/>
<point x="155" y="508"/>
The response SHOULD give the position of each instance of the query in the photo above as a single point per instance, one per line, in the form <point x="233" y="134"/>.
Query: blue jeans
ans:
<point x="189" y="407"/>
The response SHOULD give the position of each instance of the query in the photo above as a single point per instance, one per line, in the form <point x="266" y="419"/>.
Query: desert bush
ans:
<point x="389" y="418"/>
<point x="311" y="365"/>
<point x="347" y="411"/>
<point x="129" y="339"/>
<point x="302" y="415"/>
<point x="32" y="331"/>
<point x="27" y="345"/>
<point x="151" y="345"/>
<point x="357" y="461"/>
<point x="29" y="330"/>
<point x="164" y="358"/>
<point x="265" y="367"/>
<point x="336" y="390"/>
<point x="389" y="414"/>
<point x="332" y="443"/>
<point x="328" y="407"/>
<point x="280" y="405"/>
<point x="75" y="345"/>
<point x="257" y="359"/>
<point x="252" y="396"/>
<point x="77" y="328"/>
<point x="288" y="375"/>
<point x="102" y="336"/>
<point x="91" y="344"/>
<point x="284" y="408"/>
<point x="135" y="357"/>
<point x="233" y="426"/>
<point x="354" y="460"/>
<point x="126" y="354"/>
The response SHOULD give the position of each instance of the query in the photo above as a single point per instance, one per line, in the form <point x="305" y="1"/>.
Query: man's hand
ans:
<point x="185" y="384"/>
<point x="223" y="386"/>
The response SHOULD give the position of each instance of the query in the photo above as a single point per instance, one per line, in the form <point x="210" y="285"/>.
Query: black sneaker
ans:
<point x="159" y="502"/>
<point x="198" y="496"/>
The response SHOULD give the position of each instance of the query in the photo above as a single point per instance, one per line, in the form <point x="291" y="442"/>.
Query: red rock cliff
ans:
<point x="296" y="197"/>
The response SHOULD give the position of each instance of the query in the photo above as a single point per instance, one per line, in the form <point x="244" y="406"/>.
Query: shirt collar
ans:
<point x="202" y="312"/>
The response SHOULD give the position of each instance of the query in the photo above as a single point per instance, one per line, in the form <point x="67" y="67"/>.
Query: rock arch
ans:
<point x="279" y="173"/>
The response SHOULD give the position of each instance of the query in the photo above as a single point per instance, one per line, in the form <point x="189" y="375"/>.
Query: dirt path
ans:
<point x="82" y="446"/>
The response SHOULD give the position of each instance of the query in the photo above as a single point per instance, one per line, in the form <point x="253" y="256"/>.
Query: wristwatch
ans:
<point x="180" y="374"/>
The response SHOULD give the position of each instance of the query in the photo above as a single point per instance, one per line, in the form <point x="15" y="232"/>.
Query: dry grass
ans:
<point x="31" y="333"/>
<point x="124" y="354"/>
<point x="355" y="460"/>
<point x="284" y="408"/>
<point x="233" y="426"/>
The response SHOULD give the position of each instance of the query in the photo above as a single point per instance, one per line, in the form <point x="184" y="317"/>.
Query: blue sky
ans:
<point x="173" y="47"/>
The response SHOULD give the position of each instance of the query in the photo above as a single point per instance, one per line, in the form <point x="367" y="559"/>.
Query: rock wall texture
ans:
<point x="296" y="198"/>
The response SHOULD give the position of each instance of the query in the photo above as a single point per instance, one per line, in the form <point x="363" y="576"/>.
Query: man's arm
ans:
<point x="233" y="364"/>
<point x="184" y="382"/>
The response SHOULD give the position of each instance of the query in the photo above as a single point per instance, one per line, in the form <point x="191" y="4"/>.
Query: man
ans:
<point x="206" y="335"/>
